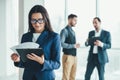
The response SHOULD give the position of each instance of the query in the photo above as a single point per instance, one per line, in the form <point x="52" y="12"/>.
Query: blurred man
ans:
<point x="99" y="41"/>
<point x="68" y="41"/>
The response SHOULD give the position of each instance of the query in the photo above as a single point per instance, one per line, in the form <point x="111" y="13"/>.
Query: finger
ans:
<point x="43" y="59"/>
<point x="12" y="54"/>
<point x="42" y="56"/>
<point x="94" y="42"/>
<point x="29" y="56"/>
<point x="13" y="57"/>
<point x="97" y="40"/>
<point x="34" y="55"/>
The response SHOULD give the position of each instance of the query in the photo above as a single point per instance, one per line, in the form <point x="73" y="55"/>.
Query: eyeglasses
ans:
<point x="40" y="21"/>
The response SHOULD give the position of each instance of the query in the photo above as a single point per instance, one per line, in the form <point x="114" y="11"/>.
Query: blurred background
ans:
<point x="14" y="22"/>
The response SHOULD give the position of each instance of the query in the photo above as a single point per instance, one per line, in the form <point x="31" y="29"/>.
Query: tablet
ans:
<point x="92" y="40"/>
<point x="23" y="53"/>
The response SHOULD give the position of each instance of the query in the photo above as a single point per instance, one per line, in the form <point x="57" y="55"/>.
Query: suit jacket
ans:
<point x="105" y="37"/>
<point x="50" y="42"/>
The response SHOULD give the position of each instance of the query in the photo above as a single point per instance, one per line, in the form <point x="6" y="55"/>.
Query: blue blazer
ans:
<point x="105" y="37"/>
<point x="50" y="42"/>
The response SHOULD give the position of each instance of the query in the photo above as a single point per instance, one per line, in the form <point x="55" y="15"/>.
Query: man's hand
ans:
<point x="36" y="58"/>
<point x="98" y="43"/>
<point x="77" y="45"/>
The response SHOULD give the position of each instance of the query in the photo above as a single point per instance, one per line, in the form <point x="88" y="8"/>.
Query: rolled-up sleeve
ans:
<point x="63" y="36"/>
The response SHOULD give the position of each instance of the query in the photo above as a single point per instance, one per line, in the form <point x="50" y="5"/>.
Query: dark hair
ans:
<point x="72" y="16"/>
<point x="43" y="11"/>
<point x="98" y="19"/>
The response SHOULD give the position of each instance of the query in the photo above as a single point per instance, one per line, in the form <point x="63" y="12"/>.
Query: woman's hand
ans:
<point x="36" y="58"/>
<point x="15" y="57"/>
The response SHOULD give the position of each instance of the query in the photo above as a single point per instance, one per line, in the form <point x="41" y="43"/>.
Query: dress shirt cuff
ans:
<point x="102" y="44"/>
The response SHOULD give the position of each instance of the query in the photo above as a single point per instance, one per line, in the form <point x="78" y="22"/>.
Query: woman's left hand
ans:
<point x="36" y="58"/>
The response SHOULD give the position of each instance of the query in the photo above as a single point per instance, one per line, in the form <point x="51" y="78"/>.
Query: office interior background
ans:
<point x="14" y="22"/>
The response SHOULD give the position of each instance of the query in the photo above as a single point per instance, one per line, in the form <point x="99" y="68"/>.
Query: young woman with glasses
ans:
<point x="40" y="31"/>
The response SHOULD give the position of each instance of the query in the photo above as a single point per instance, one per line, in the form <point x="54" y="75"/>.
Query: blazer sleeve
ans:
<point x="87" y="43"/>
<point x="21" y="63"/>
<point x="107" y="44"/>
<point x="54" y="62"/>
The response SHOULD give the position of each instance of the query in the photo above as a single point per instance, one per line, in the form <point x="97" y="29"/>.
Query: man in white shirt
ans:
<point x="99" y="41"/>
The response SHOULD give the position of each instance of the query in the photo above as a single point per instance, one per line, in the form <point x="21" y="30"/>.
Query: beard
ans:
<point x="97" y="28"/>
<point x="72" y="24"/>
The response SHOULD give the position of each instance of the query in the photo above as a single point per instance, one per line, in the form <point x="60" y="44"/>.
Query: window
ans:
<point x="56" y="10"/>
<point x="110" y="15"/>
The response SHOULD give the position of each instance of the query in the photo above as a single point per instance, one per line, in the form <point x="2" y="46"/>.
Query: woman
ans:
<point x="40" y="31"/>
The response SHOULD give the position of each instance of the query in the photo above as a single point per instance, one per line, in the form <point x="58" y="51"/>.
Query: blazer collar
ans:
<point x="42" y="38"/>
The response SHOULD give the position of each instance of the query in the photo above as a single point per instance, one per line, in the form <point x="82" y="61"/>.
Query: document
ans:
<point x="26" y="48"/>
<point x="24" y="45"/>
<point x="23" y="53"/>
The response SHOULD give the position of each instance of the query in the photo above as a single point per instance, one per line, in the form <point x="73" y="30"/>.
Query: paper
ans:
<point x="24" y="46"/>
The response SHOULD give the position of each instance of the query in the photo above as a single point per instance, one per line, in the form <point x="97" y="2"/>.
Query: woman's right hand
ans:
<point x="15" y="57"/>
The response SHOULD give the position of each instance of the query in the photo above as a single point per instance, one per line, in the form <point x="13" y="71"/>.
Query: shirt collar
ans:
<point x="98" y="31"/>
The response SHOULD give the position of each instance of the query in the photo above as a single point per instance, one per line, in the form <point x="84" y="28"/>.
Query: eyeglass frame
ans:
<point x="40" y="21"/>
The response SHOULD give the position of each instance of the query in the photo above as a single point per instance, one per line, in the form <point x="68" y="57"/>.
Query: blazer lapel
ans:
<point x="30" y="36"/>
<point x="93" y="34"/>
<point x="101" y="35"/>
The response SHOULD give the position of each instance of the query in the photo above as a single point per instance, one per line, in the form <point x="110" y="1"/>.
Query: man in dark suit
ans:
<point x="99" y="41"/>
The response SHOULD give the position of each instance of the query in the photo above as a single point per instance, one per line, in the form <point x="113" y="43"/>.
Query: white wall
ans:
<point x="12" y="32"/>
<point x="8" y="34"/>
<point x="2" y="38"/>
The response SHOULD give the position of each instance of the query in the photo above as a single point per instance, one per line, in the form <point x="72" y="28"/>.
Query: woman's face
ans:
<point x="38" y="22"/>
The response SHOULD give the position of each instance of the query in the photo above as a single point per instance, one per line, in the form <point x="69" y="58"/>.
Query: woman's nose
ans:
<point x="37" y="24"/>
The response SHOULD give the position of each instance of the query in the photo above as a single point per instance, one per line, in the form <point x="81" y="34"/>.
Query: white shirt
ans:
<point x="35" y="36"/>
<point x="97" y="34"/>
